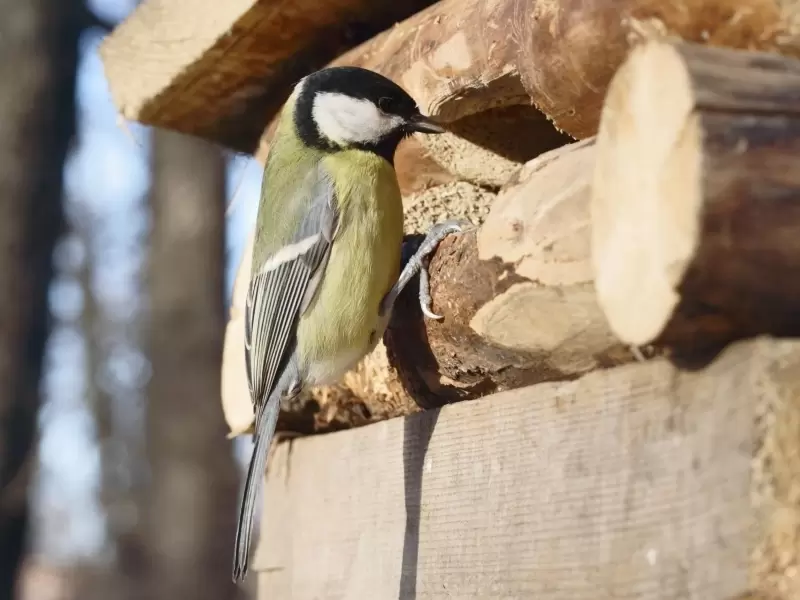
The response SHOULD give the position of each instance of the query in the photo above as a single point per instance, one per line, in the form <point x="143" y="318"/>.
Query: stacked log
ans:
<point x="696" y="198"/>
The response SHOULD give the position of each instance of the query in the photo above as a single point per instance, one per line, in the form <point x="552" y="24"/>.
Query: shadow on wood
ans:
<point x="641" y="481"/>
<point x="417" y="433"/>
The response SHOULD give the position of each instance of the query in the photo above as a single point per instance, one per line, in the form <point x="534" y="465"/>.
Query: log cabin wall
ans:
<point x="619" y="419"/>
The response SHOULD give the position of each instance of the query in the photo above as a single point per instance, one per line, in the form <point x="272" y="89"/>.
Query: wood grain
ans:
<point x="696" y="218"/>
<point x="221" y="69"/>
<point x="637" y="482"/>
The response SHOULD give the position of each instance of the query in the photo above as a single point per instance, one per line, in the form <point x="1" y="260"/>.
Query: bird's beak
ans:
<point x="423" y="124"/>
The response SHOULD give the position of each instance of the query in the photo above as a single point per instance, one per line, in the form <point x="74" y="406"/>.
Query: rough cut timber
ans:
<point x="696" y="202"/>
<point x="642" y="481"/>
<point x="219" y="69"/>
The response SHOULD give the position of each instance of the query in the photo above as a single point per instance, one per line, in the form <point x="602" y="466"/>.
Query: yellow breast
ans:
<point x="342" y="324"/>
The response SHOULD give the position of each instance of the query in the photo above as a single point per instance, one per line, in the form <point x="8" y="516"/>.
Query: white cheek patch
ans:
<point x="346" y="120"/>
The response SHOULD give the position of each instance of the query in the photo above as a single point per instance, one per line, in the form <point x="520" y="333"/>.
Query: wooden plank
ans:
<point x="220" y="69"/>
<point x="636" y="482"/>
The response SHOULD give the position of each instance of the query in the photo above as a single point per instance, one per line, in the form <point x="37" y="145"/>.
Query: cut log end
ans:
<point x="647" y="192"/>
<point x="696" y="227"/>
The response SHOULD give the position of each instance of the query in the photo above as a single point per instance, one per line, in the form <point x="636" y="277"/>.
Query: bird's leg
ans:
<point x="415" y="265"/>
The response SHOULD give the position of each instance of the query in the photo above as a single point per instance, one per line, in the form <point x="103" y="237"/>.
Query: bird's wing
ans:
<point x="281" y="289"/>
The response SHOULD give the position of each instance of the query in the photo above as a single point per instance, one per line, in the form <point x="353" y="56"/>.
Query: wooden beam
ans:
<point x="572" y="48"/>
<point x="636" y="482"/>
<point x="505" y="97"/>
<point x="696" y="201"/>
<point x="221" y="69"/>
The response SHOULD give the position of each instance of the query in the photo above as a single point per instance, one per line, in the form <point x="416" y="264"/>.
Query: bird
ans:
<point x="326" y="267"/>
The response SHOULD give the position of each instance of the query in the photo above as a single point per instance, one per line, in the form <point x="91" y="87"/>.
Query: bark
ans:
<point x="38" y="57"/>
<point x="699" y="243"/>
<point x="193" y="492"/>
<point x="570" y="49"/>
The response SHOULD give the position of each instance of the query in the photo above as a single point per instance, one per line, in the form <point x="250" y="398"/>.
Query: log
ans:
<point x="642" y="481"/>
<point x="457" y="58"/>
<point x="221" y="69"/>
<point x="696" y="202"/>
<point x="517" y="295"/>
<point x="505" y="97"/>
<point x="574" y="47"/>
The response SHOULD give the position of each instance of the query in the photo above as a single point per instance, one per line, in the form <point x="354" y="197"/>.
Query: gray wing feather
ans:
<point x="278" y="295"/>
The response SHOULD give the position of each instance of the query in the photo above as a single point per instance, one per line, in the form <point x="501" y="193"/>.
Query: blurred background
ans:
<point x="117" y="480"/>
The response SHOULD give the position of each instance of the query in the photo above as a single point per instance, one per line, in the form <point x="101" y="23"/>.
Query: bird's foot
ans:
<point x="434" y="236"/>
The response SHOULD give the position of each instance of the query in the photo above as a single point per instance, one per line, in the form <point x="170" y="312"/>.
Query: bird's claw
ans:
<point x="437" y="233"/>
<point x="434" y="236"/>
<point x="425" y="294"/>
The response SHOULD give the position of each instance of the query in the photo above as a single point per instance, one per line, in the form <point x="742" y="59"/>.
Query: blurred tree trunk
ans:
<point x="38" y="59"/>
<point x="192" y="498"/>
<point x="117" y="495"/>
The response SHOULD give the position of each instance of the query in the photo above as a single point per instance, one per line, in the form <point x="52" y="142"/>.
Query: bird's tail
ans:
<point x="263" y="437"/>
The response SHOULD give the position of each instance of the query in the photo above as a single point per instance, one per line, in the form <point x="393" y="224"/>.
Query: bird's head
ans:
<point x="349" y="107"/>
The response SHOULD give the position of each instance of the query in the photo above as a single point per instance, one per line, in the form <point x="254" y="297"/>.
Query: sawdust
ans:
<point x="775" y="488"/>
<point x="456" y="200"/>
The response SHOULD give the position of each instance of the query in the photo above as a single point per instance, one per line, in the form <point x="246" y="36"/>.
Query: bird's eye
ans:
<point x="385" y="104"/>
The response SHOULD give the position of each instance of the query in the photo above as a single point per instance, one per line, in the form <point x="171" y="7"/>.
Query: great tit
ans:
<point x="326" y="265"/>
